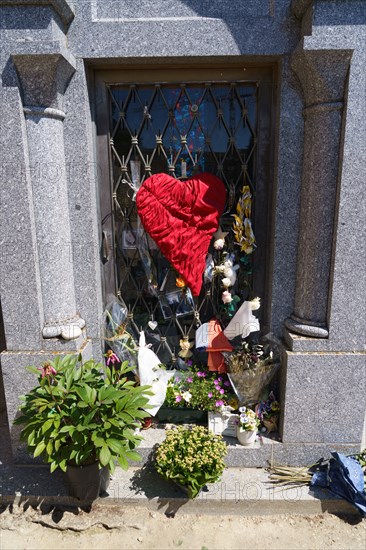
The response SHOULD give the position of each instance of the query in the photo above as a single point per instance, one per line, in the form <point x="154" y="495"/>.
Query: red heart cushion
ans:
<point x="181" y="217"/>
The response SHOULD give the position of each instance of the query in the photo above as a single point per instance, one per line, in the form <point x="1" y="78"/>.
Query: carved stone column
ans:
<point x="323" y="76"/>
<point x="44" y="79"/>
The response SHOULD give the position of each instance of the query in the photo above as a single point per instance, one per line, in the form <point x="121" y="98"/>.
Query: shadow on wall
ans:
<point x="5" y="446"/>
<point x="251" y="24"/>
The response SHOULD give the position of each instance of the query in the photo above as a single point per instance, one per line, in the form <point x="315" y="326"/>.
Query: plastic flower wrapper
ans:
<point x="147" y="263"/>
<point x="118" y="332"/>
<point x="251" y="368"/>
<point x="152" y="373"/>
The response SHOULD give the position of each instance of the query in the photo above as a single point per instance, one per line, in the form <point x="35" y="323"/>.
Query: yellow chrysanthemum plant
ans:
<point x="191" y="457"/>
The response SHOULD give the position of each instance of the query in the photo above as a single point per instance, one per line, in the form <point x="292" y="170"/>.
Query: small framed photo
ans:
<point x="176" y="303"/>
<point x="128" y="240"/>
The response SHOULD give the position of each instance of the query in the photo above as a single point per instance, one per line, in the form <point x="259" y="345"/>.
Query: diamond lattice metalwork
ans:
<point x="181" y="130"/>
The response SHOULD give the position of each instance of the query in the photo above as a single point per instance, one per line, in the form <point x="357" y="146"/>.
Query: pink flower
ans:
<point x="220" y="379"/>
<point x="219" y="403"/>
<point x="47" y="370"/>
<point x="201" y="374"/>
<point x="111" y="358"/>
<point x="209" y="394"/>
<point x="222" y="391"/>
<point x="226" y="297"/>
<point x="189" y="380"/>
<point x="178" y="399"/>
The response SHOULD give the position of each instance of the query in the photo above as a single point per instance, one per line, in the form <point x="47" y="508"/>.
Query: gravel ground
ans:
<point x="129" y="528"/>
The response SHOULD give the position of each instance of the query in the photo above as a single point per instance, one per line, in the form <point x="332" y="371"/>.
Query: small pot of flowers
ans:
<point x="82" y="418"/>
<point x="247" y="427"/>
<point x="190" y="394"/>
<point x="191" y="457"/>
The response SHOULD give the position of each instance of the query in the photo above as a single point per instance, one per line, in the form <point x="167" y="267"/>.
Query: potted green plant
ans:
<point x="247" y="427"/>
<point x="82" y="417"/>
<point x="191" y="457"/>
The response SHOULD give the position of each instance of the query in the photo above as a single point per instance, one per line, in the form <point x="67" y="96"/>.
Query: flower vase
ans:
<point x="245" y="437"/>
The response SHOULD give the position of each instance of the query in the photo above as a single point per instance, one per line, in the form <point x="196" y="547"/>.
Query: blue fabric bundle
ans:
<point x="344" y="477"/>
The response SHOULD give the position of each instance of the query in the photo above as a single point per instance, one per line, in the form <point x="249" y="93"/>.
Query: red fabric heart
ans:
<point x="181" y="217"/>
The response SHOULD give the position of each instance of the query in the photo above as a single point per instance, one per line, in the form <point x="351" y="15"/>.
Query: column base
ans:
<point x="68" y="330"/>
<point x="306" y="328"/>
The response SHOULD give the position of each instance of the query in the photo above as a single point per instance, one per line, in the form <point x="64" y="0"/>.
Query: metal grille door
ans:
<point x="180" y="129"/>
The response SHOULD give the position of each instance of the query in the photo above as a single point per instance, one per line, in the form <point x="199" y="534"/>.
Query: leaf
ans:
<point x="30" y="439"/>
<point x="32" y="369"/>
<point x="111" y="466"/>
<point x="123" y="462"/>
<point x="82" y="393"/>
<point x="63" y="465"/>
<point x="47" y="425"/>
<point x="108" y="393"/>
<point x="105" y="455"/>
<point x="39" y="449"/>
<point x="133" y="455"/>
<point x="117" y="446"/>
<point x="67" y="429"/>
<point x="53" y="466"/>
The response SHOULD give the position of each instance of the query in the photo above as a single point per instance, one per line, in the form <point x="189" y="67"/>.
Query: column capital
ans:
<point x="61" y="7"/>
<point x="322" y="74"/>
<point x="44" y="78"/>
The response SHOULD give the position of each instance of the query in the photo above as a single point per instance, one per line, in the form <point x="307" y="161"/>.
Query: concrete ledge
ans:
<point x="266" y="450"/>
<point x="246" y="491"/>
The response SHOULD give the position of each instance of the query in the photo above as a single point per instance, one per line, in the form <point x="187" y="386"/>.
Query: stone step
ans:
<point x="267" y="449"/>
<point x="245" y="491"/>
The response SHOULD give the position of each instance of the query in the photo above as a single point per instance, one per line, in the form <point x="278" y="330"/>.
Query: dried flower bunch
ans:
<point x="191" y="457"/>
<point x="250" y="370"/>
<point x="249" y="356"/>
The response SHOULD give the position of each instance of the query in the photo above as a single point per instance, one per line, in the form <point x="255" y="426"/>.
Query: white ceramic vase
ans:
<point x="246" y="437"/>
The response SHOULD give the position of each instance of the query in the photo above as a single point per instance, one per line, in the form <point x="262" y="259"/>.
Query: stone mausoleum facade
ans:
<point x="66" y="67"/>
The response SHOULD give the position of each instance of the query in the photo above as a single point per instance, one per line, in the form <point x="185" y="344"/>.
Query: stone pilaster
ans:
<point x="44" y="79"/>
<point x="323" y="77"/>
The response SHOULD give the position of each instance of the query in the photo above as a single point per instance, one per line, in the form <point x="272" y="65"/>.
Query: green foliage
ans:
<point x="191" y="457"/>
<point x="81" y="413"/>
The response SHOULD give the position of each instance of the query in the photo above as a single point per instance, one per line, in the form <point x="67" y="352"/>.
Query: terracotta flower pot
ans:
<point x="87" y="483"/>
<point x="246" y="437"/>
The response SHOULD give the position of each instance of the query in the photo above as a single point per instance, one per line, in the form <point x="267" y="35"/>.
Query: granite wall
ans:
<point x="50" y="269"/>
